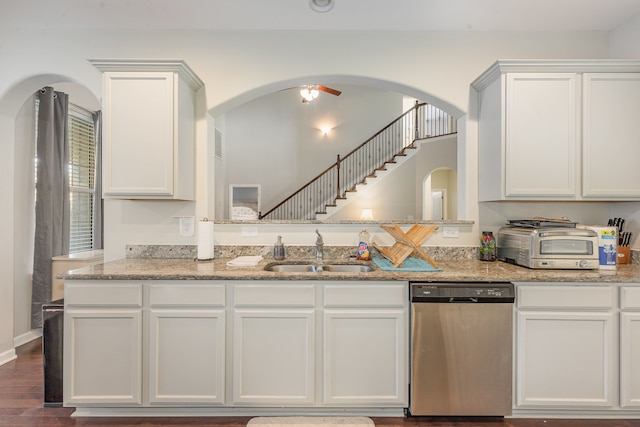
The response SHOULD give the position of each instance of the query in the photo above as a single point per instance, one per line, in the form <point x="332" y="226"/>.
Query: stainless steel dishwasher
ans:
<point x="461" y="349"/>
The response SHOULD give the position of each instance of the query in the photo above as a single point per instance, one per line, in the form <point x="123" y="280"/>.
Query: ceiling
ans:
<point x="357" y="15"/>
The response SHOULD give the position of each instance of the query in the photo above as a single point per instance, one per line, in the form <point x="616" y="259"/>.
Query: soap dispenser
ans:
<point x="278" y="250"/>
<point x="363" y="246"/>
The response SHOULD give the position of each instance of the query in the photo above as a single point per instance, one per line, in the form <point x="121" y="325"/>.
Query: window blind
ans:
<point x="82" y="162"/>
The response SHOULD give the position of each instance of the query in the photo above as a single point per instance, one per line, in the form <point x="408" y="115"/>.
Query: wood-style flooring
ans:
<point x="21" y="385"/>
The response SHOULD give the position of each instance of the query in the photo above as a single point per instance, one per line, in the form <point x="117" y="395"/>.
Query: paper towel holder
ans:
<point x="205" y="251"/>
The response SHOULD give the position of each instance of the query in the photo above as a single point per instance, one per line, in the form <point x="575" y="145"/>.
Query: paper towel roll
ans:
<point x="607" y="246"/>
<point x="205" y="239"/>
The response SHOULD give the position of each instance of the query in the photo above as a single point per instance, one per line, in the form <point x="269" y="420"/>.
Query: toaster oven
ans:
<point x="548" y="248"/>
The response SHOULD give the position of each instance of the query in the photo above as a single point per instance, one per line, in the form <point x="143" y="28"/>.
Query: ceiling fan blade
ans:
<point x="328" y="90"/>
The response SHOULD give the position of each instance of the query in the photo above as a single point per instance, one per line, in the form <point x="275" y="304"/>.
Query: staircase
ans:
<point x="385" y="149"/>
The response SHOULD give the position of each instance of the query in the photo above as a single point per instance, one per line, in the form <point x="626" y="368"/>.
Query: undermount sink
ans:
<point x="319" y="268"/>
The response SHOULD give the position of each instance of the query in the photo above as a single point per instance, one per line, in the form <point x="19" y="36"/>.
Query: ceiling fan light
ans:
<point x="321" y="5"/>
<point x="309" y="94"/>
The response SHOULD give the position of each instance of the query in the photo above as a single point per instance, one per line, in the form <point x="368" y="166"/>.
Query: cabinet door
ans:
<point x="610" y="135"/>
<point x="540" y="146"/>
<point x="186" y="356"/>
<point x="630" y="360"/>
<point x="138" y="134"/>
<point x="273" y="357"/>
<point x="565" y="359"/>
<point x="103" y="357"/>
<point x="365" y="359"/>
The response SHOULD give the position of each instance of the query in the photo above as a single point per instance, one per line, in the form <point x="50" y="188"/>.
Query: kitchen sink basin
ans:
<point x="319" y="268"/>
<point x="349" y="268"/>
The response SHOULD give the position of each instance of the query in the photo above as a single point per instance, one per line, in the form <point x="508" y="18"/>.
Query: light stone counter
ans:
<point x="452" y="271"/>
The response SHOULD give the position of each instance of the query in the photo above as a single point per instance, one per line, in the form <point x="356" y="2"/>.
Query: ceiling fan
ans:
<point x="311" y="92"/>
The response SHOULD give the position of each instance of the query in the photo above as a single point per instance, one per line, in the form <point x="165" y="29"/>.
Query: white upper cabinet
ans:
<point x="540" y="126"/>
<point x="149" y="113"/>
<point x="555" y="130"/>
<point x="611" y="135"/>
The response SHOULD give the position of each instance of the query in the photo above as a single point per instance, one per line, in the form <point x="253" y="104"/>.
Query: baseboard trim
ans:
<point x="8" y="356"/>
<point x="234" y="412"/>
<point x="27" y="337"/>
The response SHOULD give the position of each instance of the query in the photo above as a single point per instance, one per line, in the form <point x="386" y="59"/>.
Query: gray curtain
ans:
<point x="52" y="195"/>
<point x="98" y="203"/>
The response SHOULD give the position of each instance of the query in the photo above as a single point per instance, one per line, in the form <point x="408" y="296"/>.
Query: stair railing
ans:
<point x="420" y="122"/>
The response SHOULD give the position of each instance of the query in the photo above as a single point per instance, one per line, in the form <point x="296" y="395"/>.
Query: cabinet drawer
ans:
<point x="361" y="295"/>
<point x="120" y="293"/>
<point x="630" y="297"/>
<point x="585" y="296"/>
<point x="269" y="295"/>
<point x="187" y="294"/>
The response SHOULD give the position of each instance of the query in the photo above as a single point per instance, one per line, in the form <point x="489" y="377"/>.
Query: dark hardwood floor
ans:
<point x="21" y="384"/>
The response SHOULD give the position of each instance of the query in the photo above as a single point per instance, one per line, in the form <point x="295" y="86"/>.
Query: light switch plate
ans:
<point x="187" y="226"/>
<point x="450" y="232"/>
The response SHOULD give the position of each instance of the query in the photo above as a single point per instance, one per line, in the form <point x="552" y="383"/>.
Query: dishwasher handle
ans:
<point x="463" y="300"/>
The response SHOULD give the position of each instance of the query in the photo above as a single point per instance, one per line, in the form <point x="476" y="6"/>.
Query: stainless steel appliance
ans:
<point x="461" y="349"/>
<point x="548" y="247"/>
<point x="52" y="343"/>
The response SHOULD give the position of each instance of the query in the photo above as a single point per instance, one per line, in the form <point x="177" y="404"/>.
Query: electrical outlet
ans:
<point x="450" y="232"/>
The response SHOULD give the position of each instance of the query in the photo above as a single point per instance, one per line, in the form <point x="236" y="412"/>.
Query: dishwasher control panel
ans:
<point x="462" y="292"/>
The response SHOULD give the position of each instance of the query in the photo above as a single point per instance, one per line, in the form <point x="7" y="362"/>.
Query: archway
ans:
<point x="318" y="155"/>
<point x="17" y="119"/>
<point x="439" y="189"/>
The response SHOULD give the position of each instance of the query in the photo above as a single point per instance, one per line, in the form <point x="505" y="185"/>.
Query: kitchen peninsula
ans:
<point x="181" y="337"/>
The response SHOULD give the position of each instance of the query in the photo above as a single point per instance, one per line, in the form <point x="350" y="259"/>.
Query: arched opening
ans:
<point x="439" y="191"/>
<point x="261" y="121"/>
<point x="17" y="124"/>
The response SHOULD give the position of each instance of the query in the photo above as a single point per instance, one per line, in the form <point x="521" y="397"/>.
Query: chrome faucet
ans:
<point x="319" y="246"/>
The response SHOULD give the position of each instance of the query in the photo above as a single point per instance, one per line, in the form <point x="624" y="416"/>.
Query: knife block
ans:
<point x="623" y="255"/>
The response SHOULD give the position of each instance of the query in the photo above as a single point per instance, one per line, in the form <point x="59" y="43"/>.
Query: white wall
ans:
<point x="237" y="67"/>
<point x="7" y="143"/>
<point x="625" y="40"/>
<point x="24" y="224"/>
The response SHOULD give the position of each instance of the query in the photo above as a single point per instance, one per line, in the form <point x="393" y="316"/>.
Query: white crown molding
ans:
<point x="163" y="65"/>
<point x="555" y="66"/>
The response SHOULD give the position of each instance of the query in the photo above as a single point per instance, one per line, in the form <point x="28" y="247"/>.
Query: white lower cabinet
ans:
<point x="103" y="344"/>
<point x="272" y="344"/>
<point x="365" y="345"/>
<point x="186" y="344"/>
<point x="565" y="359"/>
<point x="565" y="338"/>
<point x="630" y="347"/>
<point x="578" y="347"/>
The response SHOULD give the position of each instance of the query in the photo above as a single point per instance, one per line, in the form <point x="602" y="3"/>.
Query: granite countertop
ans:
<point x="452" y="271"/>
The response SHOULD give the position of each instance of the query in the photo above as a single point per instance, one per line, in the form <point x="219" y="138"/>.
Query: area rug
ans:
<point x="310" y="422"/>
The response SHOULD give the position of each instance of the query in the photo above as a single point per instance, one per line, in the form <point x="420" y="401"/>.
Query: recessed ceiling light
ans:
<point x="321" y="5"/>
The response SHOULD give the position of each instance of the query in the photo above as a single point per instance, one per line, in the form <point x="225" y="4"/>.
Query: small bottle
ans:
<point x="363" y="246"/>
<point x="278" y="250"/>
<point x="487" y="246"/>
